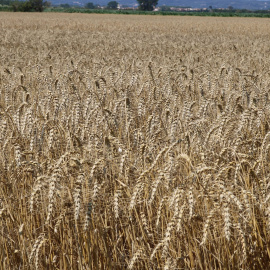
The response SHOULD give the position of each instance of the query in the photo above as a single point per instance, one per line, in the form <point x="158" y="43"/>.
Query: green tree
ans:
<point x="90" y="6"/>
<point x="47" y="4"/>
<point x="147" y="4"/>
<point x="37" y="5"/>
<point x="31" y="5"/>
<point x="112" y="5"/>
<point x="6" y="2"/>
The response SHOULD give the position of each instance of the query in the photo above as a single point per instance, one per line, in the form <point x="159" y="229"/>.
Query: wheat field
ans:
<point x="134" y="142"/>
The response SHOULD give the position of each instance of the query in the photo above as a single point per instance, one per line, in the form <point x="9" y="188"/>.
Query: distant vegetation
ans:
<point x="24" y="6"/>
<point x="90" y="6"/>
<point x="147" y="5"/>
<point x="5" y="2"/>
<point x="223" y="13"/>
<point x="113" y="7"/>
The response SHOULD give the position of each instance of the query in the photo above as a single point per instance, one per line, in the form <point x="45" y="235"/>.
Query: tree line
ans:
<point x="39" y="5"/>
<point x="26" y="6"/>
<point x="147" y="5"/>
